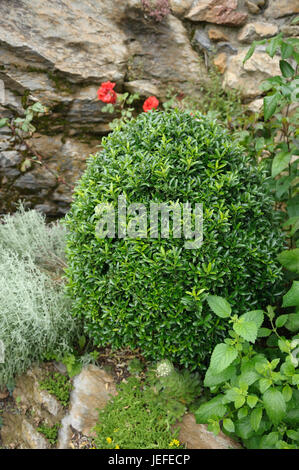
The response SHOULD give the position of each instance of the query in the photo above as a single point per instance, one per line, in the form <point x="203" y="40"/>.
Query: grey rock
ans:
<point x="202" y="40"/>
<point x="226" y="47"/>
<point x="247" y="77"/>
<point x="258" y="30"/>
<point x="142" y="87"/>
<point x="197" y="436"/>
<point x="290" y="30"/>
<point x="92" y="389"/>
<point x="9" y="158"/>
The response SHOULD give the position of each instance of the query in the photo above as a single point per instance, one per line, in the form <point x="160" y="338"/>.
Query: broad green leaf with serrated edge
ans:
<point x="239" y="402"/>
<point x="212" y="409"/>
<point x="222" y="357"/>
<point x="290" y="259"/>
<point x="291" y="298"/>
<point x="273" y="45"/>
<point x="287" y="393"/>
<point x="228" y="425"/>
<point x="243" y="428"/>
<point x="280" y="162"/>
<point x="275" y="405"/>
<point x="295" y="379"/>
<point x="264" y="384"/>
<point x="292" y="434"/>
<point x="270" y="105"/>
<point x="219" y="305"/>
<point x="252" y="400"/>
<point x="286" y="50"/>
<point x="293" y="322"/>
<point x="214" y="427"/>
<point x="281" y="320"/>
<point x="257" y="316"/>
<point x="264" y="332"/>
<point x="242" y="412"/>
<point x="246" y="329"/>
<point x="212" y="379"/>
<point x="268" y="441"/>
<point x="249" y="52"/>
<point x="286" y="69"/>
<point x="255" y="418"/>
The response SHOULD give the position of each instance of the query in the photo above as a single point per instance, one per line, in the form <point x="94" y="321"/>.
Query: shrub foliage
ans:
<point x="35" y="315"/>
<point x="149" y="292"/>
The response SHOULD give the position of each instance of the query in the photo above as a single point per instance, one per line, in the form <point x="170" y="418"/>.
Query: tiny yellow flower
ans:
<point x="174" y="443"/>
<point x="109" y="440"/>
<point x="115" y="430"/>
<point x="117" y="446"/>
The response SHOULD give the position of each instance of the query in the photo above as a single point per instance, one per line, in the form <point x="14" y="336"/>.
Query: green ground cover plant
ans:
<point x="58" y="385"/>
<point x="143" y="412"/>
<point x="50" y="432"/>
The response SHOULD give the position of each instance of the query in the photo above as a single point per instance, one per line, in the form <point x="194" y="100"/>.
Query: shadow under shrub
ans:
<point x="149" y="292"/>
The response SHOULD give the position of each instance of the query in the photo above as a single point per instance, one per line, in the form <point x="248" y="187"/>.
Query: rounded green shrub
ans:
<point x="148" y="292"/>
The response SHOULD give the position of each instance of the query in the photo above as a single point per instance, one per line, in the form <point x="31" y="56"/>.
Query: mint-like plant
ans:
<point x="278" y="136"/>
<point x="256" y="390"/>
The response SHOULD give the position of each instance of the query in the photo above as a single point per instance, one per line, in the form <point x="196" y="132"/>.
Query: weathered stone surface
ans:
<point x="142" y="87"/>
<point x="226" y="47"/>
<point x="253" y="31"/>
<point x="196" y="436"/>
<point x="256" y="105"/>
<point x="19" y="432"/>
<point x="38" y="185"/>
<point x="35" y="406"/>
<point x="93" y="387"/>
<point x="217" y="11"/>
<point x="290" y="30"/>
<point x="76" y="46"/>
<point x="217" y="35"/>
<point x="220" y="62"/>
<point x="29" y="394"/>
<point x="9" y="158"/>
<point x="162" y="54"/>
<point x="59" y="53"/>
<point x="180" y="7"/>
<point x="247" y="77"/>
<point x="202" y="40"/>
<point x="280" y="8"/>
<point x="252" y="7"/>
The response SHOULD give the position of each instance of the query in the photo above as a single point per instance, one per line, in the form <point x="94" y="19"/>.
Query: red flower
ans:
<point x="150" y="103"/>
<point x="106" y="93"/>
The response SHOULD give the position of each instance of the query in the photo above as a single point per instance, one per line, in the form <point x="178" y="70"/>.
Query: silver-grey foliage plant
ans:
<point x="35" y="318"/>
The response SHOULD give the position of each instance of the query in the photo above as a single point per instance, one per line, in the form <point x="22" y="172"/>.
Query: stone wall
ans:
<point x="59" y="52"/>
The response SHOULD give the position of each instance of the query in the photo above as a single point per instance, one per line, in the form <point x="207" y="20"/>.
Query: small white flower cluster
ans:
<point x="164" y="368"/>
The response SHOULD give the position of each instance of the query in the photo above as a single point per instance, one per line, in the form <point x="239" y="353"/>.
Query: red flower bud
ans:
<point x="150" y="103"/>
<point x="106" y="93"/>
